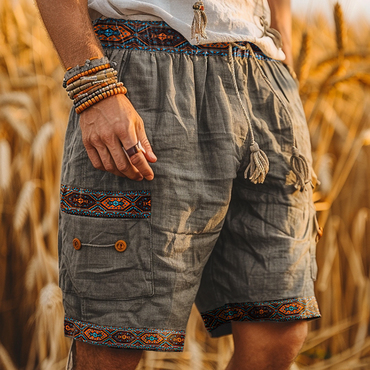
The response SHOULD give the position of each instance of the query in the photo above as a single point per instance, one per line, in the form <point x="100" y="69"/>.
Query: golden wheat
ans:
<point x="334" y="73"/>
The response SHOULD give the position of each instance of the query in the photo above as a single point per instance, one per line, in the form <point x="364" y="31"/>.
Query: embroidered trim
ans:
<point x="159" y="36"/>
<point x="121" y="204"/>
<point x="130" y="338"/>
<point x="283" y="310"/>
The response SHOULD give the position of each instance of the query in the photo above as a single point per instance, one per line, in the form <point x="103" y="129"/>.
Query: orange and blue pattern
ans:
<point x="157" y="36"/>
<point x="121" y="204"/>
<point x="129" y="338"/>
<point x="278" y="311"/>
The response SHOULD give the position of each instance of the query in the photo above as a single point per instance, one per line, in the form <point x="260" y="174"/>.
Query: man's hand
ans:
<point x="108" y="126"/>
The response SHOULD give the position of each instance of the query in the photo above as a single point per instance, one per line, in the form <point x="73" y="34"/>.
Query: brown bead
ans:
<point x="76" y="244"/>
<point x="120" y="246"/>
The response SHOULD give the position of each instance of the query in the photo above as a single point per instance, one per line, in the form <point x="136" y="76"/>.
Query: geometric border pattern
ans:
<point x="129" y="338"/>
<point x="157" y="36"/>
<point x="279" y="311"/>
<point x="120" y="204"/>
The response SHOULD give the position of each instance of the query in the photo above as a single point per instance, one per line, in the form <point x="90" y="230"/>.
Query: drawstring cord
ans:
<point x="199" y="24"/>
<point x="259" y="163"/>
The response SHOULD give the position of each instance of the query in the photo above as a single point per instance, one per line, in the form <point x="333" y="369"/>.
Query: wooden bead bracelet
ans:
<point x="91" y="83"/>
<point x="99" y="98"/>
<point x="98" y="92"/>
<point x="91" y="66"/>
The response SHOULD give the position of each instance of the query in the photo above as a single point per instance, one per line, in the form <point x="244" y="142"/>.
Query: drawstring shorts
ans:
<point x="134" y="256"/>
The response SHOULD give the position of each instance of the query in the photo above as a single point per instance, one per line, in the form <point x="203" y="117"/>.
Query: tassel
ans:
<point x="198" y="27"/>
<point x="300" y="168"/>
<point x="259" y="165"/>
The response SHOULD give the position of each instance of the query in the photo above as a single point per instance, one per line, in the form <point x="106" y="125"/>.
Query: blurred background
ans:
<point x="332" y="61"/>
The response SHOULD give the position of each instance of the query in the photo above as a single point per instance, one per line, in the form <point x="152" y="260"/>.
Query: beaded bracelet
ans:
<point x="98" y="92"/>
<point x="92" y="89"/>
<point x="88" y="87"/>
<point x="91" y="83"/>
<point x="91" y="78"/>
<point x="98" y="98"/>
<point x="93" y="65"/>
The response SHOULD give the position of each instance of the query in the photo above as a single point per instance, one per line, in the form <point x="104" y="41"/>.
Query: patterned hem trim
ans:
<point x="282" y="310"/>
<point x="159" y="36"/>
<point x="85" y="202"/>
<point x="129" y="338"/>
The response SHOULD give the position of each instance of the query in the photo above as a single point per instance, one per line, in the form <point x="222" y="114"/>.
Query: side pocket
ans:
<point x="107" y="258"/>
<point x="105" y="244"/>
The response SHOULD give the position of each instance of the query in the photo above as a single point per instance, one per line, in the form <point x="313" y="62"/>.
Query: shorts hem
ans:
<point x="125" y="337"/>
<point x="274" y="311"/>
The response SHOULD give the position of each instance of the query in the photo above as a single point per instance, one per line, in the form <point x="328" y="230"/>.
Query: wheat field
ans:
<point x="333" y="68"/>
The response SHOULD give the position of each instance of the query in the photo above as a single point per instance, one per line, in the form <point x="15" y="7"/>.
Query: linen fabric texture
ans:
<point x="134" y="256"/>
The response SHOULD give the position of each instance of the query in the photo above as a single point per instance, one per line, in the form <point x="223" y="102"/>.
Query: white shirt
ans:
<point x="228" y="20"/>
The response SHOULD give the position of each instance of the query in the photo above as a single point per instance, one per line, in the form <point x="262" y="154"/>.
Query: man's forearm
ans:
<point x="281" y="20"/>
<point x="69" y="26"/>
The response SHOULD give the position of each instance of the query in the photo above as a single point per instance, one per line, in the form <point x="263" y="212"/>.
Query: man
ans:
<point x="221" y="215"/>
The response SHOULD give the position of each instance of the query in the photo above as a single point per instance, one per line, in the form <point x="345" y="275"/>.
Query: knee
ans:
<point x="271" y="341"/>
<point x="295" y="335"/>
<point x="96" y="357"/>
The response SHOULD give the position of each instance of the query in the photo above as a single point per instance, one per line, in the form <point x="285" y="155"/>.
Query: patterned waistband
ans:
<point x="158" y="36"/>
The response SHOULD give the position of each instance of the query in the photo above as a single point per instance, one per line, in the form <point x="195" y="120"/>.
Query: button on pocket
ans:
<point x="76" y="244"/>
<point x="107" y="259"/>
<point x="120" y="246"/>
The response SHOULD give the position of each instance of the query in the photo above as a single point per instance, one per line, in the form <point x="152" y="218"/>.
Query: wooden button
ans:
<point x="120" y="246"/>
<point x="76" y="244"/>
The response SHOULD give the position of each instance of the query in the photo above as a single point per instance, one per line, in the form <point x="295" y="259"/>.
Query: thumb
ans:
<point x="148" y="151"/>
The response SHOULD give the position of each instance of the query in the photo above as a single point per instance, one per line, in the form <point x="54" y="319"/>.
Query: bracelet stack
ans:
<point x="94" y="81"/>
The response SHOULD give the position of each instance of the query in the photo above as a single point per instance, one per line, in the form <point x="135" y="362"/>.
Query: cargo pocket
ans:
<point x="106" y="249"/>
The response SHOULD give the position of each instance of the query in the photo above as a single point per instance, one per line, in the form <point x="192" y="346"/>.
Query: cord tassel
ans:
<point x="300" y="168"/>
<point x="258" y="166"/>
<point x="198" y="27"/>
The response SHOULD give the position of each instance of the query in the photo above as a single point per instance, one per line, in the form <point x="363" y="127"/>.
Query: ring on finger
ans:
<point x="137" y="148"/>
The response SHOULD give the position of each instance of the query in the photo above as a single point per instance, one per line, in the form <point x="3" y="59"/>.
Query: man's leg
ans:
<point x="266" y="345"/>
<point x="88" y="356"/>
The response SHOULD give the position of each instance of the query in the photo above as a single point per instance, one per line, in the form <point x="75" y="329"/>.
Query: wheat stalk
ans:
<point x="5" y="164"/>
<point x="5" y="360"/>
<point x="303" y="65"/>
<point x="23" y="204"/>
<point x="340" y="29"/>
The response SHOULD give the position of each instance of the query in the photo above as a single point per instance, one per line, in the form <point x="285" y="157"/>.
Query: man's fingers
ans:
<point x="123" y="163"/>
<point x="148" y="151"/>
<point x="140" y="162"/>
<point x="110" y="166"/>
<point x="94" y="158"/>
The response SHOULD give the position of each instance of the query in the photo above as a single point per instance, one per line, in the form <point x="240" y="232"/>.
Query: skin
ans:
<point x="113" y="123"/>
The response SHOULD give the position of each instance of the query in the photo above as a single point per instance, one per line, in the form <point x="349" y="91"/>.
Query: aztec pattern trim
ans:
<point x="130" y="338"/>
<point x="282" y="310"/>
<point x="120" y="204"/>
<point x="157" y="36"/>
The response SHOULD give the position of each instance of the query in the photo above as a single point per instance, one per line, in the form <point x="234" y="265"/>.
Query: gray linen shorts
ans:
<point x="134" y="256"/>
